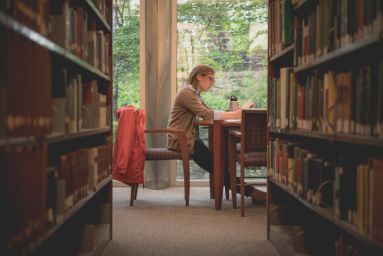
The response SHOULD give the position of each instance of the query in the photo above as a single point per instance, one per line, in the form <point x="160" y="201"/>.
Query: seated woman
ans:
<point x="187" y="106"/>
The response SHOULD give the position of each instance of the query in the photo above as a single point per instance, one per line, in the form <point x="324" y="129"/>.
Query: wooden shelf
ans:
<point x="282" y="238"/>
<point x="280" y="55"/>
<point x="100" y="19"/>
<point x="329" y="216"/>
<point x="340" y="138"/>
<point x="20" y="141"/>
<point x="52" y="138"/>
<point x="341" y="52"/>
<point x="37" y="38"/>
<point x="70" y="214"/>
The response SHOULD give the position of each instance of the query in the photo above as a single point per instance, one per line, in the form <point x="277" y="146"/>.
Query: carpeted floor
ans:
<point x="160" y="224"/>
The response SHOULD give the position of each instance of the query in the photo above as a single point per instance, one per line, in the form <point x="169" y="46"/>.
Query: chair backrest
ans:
<point x="254" y="130"/>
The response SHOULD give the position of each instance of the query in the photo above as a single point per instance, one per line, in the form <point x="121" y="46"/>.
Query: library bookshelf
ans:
<point x="56" y="127"/>
<point x="325" y="111"/>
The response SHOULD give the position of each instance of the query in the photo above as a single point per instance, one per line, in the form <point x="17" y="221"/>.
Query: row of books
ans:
<point x="348" y="102"/>
<point x="280" y="34"/>
<point x="72" y="29"/>
<point x="345" y="248"/>
<point x="79" y="172"/>
<point x="103" y="10"/>
<point x="69" y="27"/>
<point x="35" y="197"/>
<point x="34" y="14"/>
<point x="23" y="192"/>
<point x="349" y="186"/>
<point x="75" y="105"/>
<point x="25" y="99"/>
<point x="82" y="106"/>
<point x="335" y="24"/>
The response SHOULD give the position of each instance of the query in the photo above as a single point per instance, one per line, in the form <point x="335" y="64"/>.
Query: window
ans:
<point x="230" y="36"/>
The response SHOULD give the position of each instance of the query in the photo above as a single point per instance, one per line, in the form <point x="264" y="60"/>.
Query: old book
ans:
<point x="61" y="26"/>
<point x="330" y="99"/>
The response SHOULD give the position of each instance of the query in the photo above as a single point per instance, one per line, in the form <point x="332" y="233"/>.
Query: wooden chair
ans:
<point x="253" y="147"/>
<point x="166" y="154"/>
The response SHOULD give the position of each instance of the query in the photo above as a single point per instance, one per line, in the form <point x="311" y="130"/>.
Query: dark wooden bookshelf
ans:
<point x="100" y="19"/>
<point x="329" y="216"/>
<point x="77" y="207"/>
<point x="341" y="53"/>
<point x="46" y="173"/>
<point x="348" y="152"/>
<point x="62" y="53"/>
<point x="278" y="56"/>
<point x="52" y="138"/>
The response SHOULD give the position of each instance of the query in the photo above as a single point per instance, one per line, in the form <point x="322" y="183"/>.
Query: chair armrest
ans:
<point x="163" y="130"/>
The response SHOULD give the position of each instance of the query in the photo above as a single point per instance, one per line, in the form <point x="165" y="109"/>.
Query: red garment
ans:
<point x="129" y="149"/>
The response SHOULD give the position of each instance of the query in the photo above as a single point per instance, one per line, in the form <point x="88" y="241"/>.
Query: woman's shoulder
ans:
<point x="187" y="90"/>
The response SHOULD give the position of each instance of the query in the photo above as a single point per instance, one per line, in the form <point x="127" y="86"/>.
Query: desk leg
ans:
<point x="218" y="177"/>
<point x="232" y="152"/>
<point x="211" y="175"/>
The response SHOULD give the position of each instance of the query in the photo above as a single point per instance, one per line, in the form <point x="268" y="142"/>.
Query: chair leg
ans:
<point x="186" y="181"/>
<point x="232" y="170"/>
<point x="227" y="192"/>
<point x="211" y="183"/>
<point x="242" y="177"/>
<point x="133" y="192"/>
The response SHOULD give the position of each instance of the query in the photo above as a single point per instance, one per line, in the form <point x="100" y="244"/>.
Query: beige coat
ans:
<point x="186" y="107"/>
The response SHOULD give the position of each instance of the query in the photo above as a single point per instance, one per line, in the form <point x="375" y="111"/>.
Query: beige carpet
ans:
<point x="160" y="224"/>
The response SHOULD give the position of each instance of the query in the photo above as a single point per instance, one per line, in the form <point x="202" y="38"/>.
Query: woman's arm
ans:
<point x="232" y="114"/>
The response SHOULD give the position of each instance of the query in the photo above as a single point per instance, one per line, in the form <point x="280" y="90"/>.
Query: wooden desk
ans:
<point x="218" y="140"/>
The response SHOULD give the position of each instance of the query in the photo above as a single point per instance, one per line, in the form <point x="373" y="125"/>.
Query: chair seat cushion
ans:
<point x="254" y="158"/>
<point x="161" y="154"/>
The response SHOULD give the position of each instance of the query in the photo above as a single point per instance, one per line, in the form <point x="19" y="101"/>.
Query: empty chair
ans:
<point x="166" y="154"/>
<point x="253" y="150"/>
<point x="130" y="152"/>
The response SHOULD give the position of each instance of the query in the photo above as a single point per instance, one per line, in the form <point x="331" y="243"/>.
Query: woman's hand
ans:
<point x="237" y="114"/>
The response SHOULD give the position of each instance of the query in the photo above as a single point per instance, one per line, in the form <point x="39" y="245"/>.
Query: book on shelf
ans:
<point x="29" y="113"/>
<point x="333" y="25"/>
<point x="23" y="212"/>
<point x="280" y="34"/>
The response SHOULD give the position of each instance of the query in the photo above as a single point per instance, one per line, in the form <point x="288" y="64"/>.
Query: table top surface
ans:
<point x="227" y="122"/>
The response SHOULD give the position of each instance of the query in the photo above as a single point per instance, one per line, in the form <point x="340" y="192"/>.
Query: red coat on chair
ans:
<point x="129" y="148"/>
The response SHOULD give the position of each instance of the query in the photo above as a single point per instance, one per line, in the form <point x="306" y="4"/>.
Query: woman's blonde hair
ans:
<point x="199" y="70"/>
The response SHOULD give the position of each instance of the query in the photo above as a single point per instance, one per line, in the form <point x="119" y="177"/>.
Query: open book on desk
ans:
<point x="248" y="104"/>
<point x="232" y="120"/>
